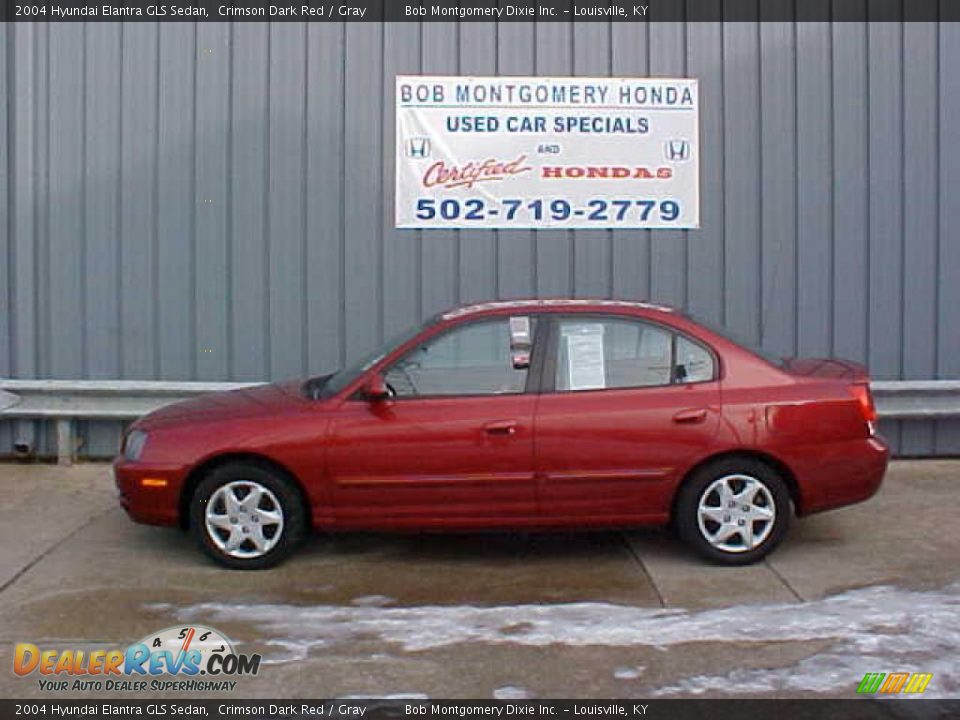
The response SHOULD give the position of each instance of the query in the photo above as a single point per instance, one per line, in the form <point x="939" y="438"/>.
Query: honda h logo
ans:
<point x="677" y="150"/>
<point x="418" y="147"/>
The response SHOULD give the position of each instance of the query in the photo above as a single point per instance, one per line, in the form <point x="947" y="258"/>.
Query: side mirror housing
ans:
<point x="375" y="388"/>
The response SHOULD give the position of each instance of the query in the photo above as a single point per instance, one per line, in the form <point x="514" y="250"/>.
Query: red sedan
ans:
<point x="519" y="414"/>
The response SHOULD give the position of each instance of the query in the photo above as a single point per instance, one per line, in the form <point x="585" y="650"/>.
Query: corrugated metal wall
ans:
<point x="214" y="201"/>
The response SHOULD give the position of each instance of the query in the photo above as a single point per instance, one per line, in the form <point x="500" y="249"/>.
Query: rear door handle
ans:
<point x="689" y="417"/>
<point x="502" y="427"/>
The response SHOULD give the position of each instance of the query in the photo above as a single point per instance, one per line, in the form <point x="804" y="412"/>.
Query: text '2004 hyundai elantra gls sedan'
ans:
<point x="517" y="414"/>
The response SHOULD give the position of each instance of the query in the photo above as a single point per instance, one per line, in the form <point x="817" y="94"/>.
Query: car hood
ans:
<point x="251" y="402"/>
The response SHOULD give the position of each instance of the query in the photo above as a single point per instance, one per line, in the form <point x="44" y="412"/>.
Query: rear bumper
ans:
<point x="838" y="474"/>
<point x="149" y="493"/>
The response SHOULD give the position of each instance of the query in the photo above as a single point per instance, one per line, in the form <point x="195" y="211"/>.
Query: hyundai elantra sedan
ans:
<point x="517" y="415"/>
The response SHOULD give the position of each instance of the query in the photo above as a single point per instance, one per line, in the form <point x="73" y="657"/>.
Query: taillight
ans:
<point x="865" y="399"/>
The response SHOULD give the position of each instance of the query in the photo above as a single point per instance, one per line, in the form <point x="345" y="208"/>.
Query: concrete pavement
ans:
<point x="627" y="614"/>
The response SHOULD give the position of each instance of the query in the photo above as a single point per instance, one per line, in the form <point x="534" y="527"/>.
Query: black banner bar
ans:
<point x="862" y="709"/>
<point x="638" y="11"/>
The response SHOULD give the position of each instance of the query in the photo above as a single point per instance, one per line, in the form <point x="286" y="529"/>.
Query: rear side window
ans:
<point x="597" y="354"/>
<point x="694" y="362"/>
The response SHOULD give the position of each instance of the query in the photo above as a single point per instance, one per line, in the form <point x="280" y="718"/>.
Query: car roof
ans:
<point x="534" y="304"/>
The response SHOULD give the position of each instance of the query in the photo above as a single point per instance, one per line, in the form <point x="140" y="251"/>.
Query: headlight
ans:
<point x="133" y="447"/>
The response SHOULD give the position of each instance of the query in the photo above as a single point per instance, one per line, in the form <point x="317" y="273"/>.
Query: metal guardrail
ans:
<point x="66" y="401"/>
<point x="916" y="399"/>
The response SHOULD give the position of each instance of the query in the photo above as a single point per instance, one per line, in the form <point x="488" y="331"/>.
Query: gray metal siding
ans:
<point x="214" y="201"/>
<point x="947" y="434"/>
<point x="6" y="257"/>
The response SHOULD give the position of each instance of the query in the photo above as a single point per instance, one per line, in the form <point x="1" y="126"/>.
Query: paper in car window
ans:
<point x="584" y="351"/>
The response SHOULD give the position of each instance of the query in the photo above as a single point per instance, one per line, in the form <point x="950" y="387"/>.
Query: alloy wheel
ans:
<point x="244" y="519"/>
<point x="736" y="513"/>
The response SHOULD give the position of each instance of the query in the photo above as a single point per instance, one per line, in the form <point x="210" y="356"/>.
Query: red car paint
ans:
<point x="539" y="459"/>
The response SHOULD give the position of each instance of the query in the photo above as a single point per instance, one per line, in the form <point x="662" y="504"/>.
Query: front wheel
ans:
<point x="246" y="516"/>
<point x="734" y="511"/>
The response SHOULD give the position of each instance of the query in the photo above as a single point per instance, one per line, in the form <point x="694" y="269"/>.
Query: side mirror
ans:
<point x="375" y="388"/>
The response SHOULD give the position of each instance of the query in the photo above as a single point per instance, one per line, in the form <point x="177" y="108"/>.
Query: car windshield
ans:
<point x="344" y="377"/>
<point x="724" y="331"/>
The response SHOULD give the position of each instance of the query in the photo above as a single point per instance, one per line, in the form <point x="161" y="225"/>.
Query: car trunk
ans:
<point x="827" y="368"/>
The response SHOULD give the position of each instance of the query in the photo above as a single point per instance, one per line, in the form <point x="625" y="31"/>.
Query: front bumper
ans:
<point x="149" y="493"/>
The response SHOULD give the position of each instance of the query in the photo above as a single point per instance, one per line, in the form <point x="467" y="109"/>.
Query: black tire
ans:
<point x="285" y="536"/>
<point x="686" y="513"/>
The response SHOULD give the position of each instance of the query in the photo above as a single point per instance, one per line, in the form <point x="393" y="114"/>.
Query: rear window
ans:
<point x="734" y="337"/>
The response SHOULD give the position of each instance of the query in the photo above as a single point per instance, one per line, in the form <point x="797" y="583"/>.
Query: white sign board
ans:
<point x="537" y="152"/>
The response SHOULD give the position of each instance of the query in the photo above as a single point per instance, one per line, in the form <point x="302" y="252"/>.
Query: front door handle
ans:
<point x="689" y="417"/>
<point x="502" y="427"/>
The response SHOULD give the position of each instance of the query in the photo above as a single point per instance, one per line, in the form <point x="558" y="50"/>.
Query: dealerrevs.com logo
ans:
<point x="189" y="659"/>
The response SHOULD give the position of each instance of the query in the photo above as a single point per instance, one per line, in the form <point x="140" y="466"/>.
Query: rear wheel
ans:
<point x="734" y="511"/>
<point x="246" y="516"/>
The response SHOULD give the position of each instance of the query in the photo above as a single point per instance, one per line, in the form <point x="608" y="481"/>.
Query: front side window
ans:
<point x="337" y="382"/>
<point x="472" y="359"/>
<point x="597" y="354"/>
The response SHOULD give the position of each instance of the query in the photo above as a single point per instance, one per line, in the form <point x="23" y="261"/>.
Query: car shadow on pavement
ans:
<point x="472" y="547"/>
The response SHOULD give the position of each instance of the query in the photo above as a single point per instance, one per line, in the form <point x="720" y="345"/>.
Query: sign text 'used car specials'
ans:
<point x="538" y="152"/>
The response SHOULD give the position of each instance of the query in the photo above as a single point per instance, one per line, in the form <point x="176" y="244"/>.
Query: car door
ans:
<point x="626" y="405"/>
<point x="452" y="446"/>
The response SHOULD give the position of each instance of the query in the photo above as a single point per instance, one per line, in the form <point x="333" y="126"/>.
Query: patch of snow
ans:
<point x="372" y="601"/>
<point x="629" y="673"/>
<point x="877" y="629"/>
